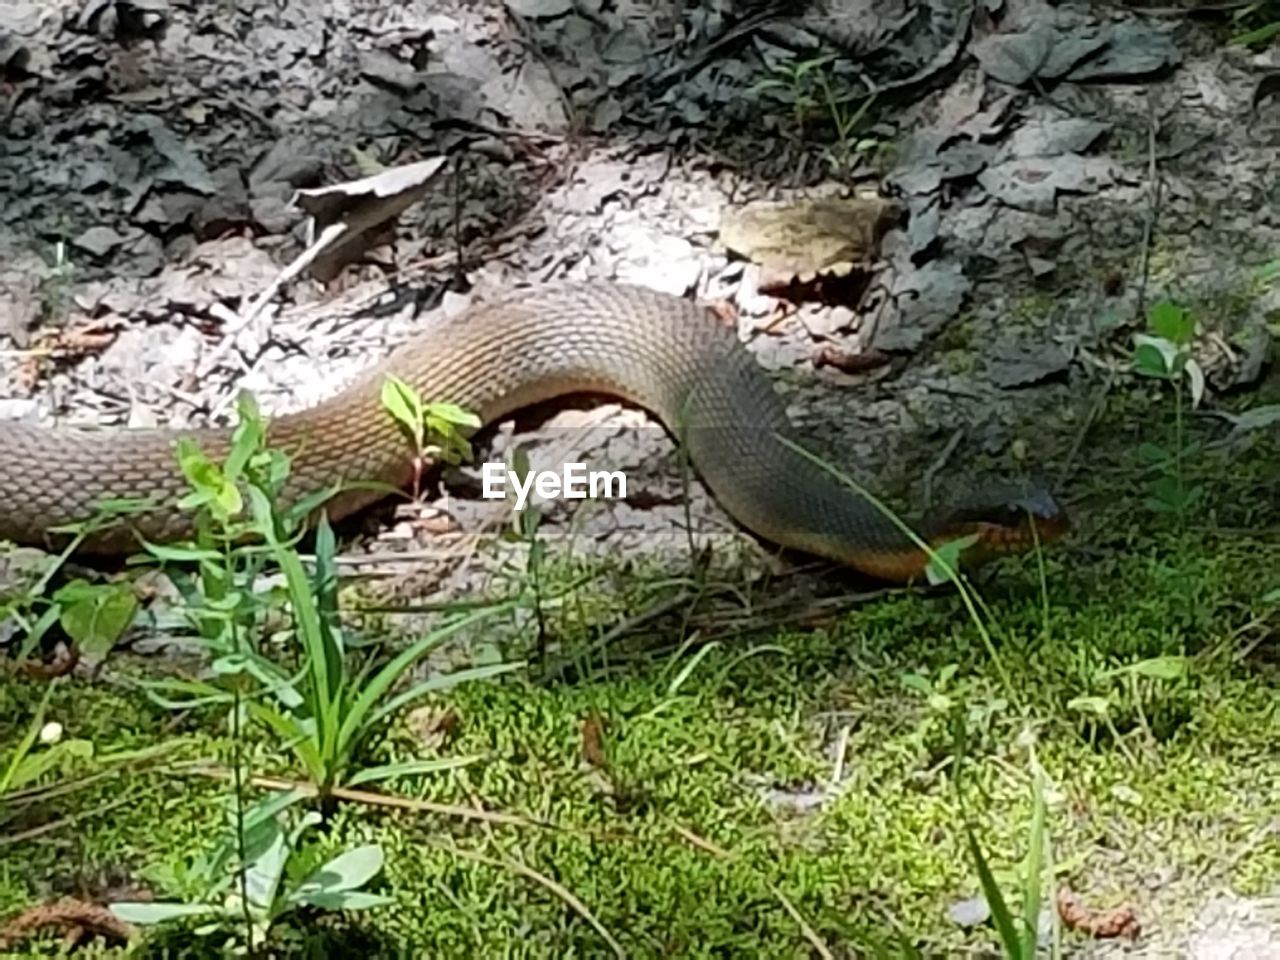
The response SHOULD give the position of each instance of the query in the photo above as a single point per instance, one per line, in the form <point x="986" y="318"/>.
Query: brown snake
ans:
<point x="665" y="354"/>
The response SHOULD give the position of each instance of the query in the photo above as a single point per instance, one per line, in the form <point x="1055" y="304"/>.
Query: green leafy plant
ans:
<point x="1018" y="931"/>
<point x="1164" y="353"/>
<point x="262" y="891"/>
<point x="806" y="87"/>
<point x="92" y="615"/>
<point x="1132" y="689"/>
<point x="948" y="702"/>
<point x="326" y="702"/>
<point x="434" y="429"/>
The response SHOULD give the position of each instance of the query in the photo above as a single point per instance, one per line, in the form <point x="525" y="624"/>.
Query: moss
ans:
<point x="716" y="801"/>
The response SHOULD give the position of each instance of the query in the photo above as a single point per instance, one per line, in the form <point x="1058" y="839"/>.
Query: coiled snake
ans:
<point x="660" y="352"/>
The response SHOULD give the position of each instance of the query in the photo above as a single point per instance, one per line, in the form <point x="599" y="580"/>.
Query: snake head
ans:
<point x="1006" y="519"/>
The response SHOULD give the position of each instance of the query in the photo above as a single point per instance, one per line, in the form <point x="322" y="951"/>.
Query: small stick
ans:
<point x="1154" y="210"/>
<point x="558" y="889"/>
<point x="379" y="799"/>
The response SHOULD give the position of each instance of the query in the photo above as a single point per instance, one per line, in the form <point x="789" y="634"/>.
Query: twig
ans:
<point x="936" y="467"/>
<point x="815" y="940"/>
<point x="842" y="748"/>
<point x="1094" y="412"/>
<point x="558" y="889"/>
<point x="809" y="933"/>
<point x="379" y="799"/>
<point x="653" y="612"/>
<point x="701" y="57"/>
<point x="1153" y="211"/>
<point x="33" y="832"/>
<point x="327" y="238"/>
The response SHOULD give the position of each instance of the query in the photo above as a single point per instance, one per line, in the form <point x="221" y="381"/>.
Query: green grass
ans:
<point x="681" y="845"/>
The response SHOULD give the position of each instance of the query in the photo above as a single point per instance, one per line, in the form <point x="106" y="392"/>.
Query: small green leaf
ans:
<point x="914" y="681"/>
<point x="1000" y="913"/>
<point x="1152" y="453"/>
<point x="344" y="900"/>
<point x="123" y="506"/>
<point x="1171" y="322"/>
<point x="409" y="768"/>
<point x="95" y="615"/>
<point x="193" y="501"/>
<point x="347" y="871"/>
<point x="1154" y="357"/>
<point x="1259" y="35"/>
<point x="1099" y="705"/>
<point x="405" y="406"/>
<point x="452" y="413"/>
<point x="1271" y="596"/>
<point x="1196" y="381"/>
<point x="247" y="438"/>
<point x="939" y="703"/>
<point x="181" y="554"/>
<point x="146" y="913"/>
<point x="1168" y="489"/>
<point x="262" y="878"/>
<point x="948" y="556"/>
<point x="1158" y="668"/>
<point x="229" y="500"/>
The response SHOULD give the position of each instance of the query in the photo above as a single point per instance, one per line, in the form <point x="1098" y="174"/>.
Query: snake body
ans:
<point x="663" y="353"/>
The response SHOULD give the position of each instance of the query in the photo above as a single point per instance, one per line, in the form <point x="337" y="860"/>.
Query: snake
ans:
<point x="669" y="355"/>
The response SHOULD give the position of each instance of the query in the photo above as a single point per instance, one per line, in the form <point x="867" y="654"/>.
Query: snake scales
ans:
<point x="663" y="353"/>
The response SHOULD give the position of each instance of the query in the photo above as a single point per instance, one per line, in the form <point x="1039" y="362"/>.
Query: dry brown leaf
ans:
<point x="76" y="918"/>
<point x="1119" y="921"/>
<point x="431" y="726"/>
<point x="593" y="751"/>
<point x="802" y="240"/>
<point x="847" y="361"/>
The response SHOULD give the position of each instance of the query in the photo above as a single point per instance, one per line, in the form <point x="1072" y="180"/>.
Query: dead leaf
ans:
<point x="431" y="727"/>
<point x="801" y="240"/>
<point x="62" y="662"/>
<point x="99" y="240"/>
<point x="593" y="749"/>
<point x="1021" y="365"/>
<point x="181" y="167"/>
<point x="539" y="8"/>
<point x="359" y="208"/>
<point x="1131" y="50"/>
<point x="849" y="361"/>
<point x="76" y="919"/>
<point x="924" y="299"/>
<point x="1033" y="183"/>
<point x="1015" y="58"/>
<point x="1051" y="138"/>
<point x="1119" y="921"/>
